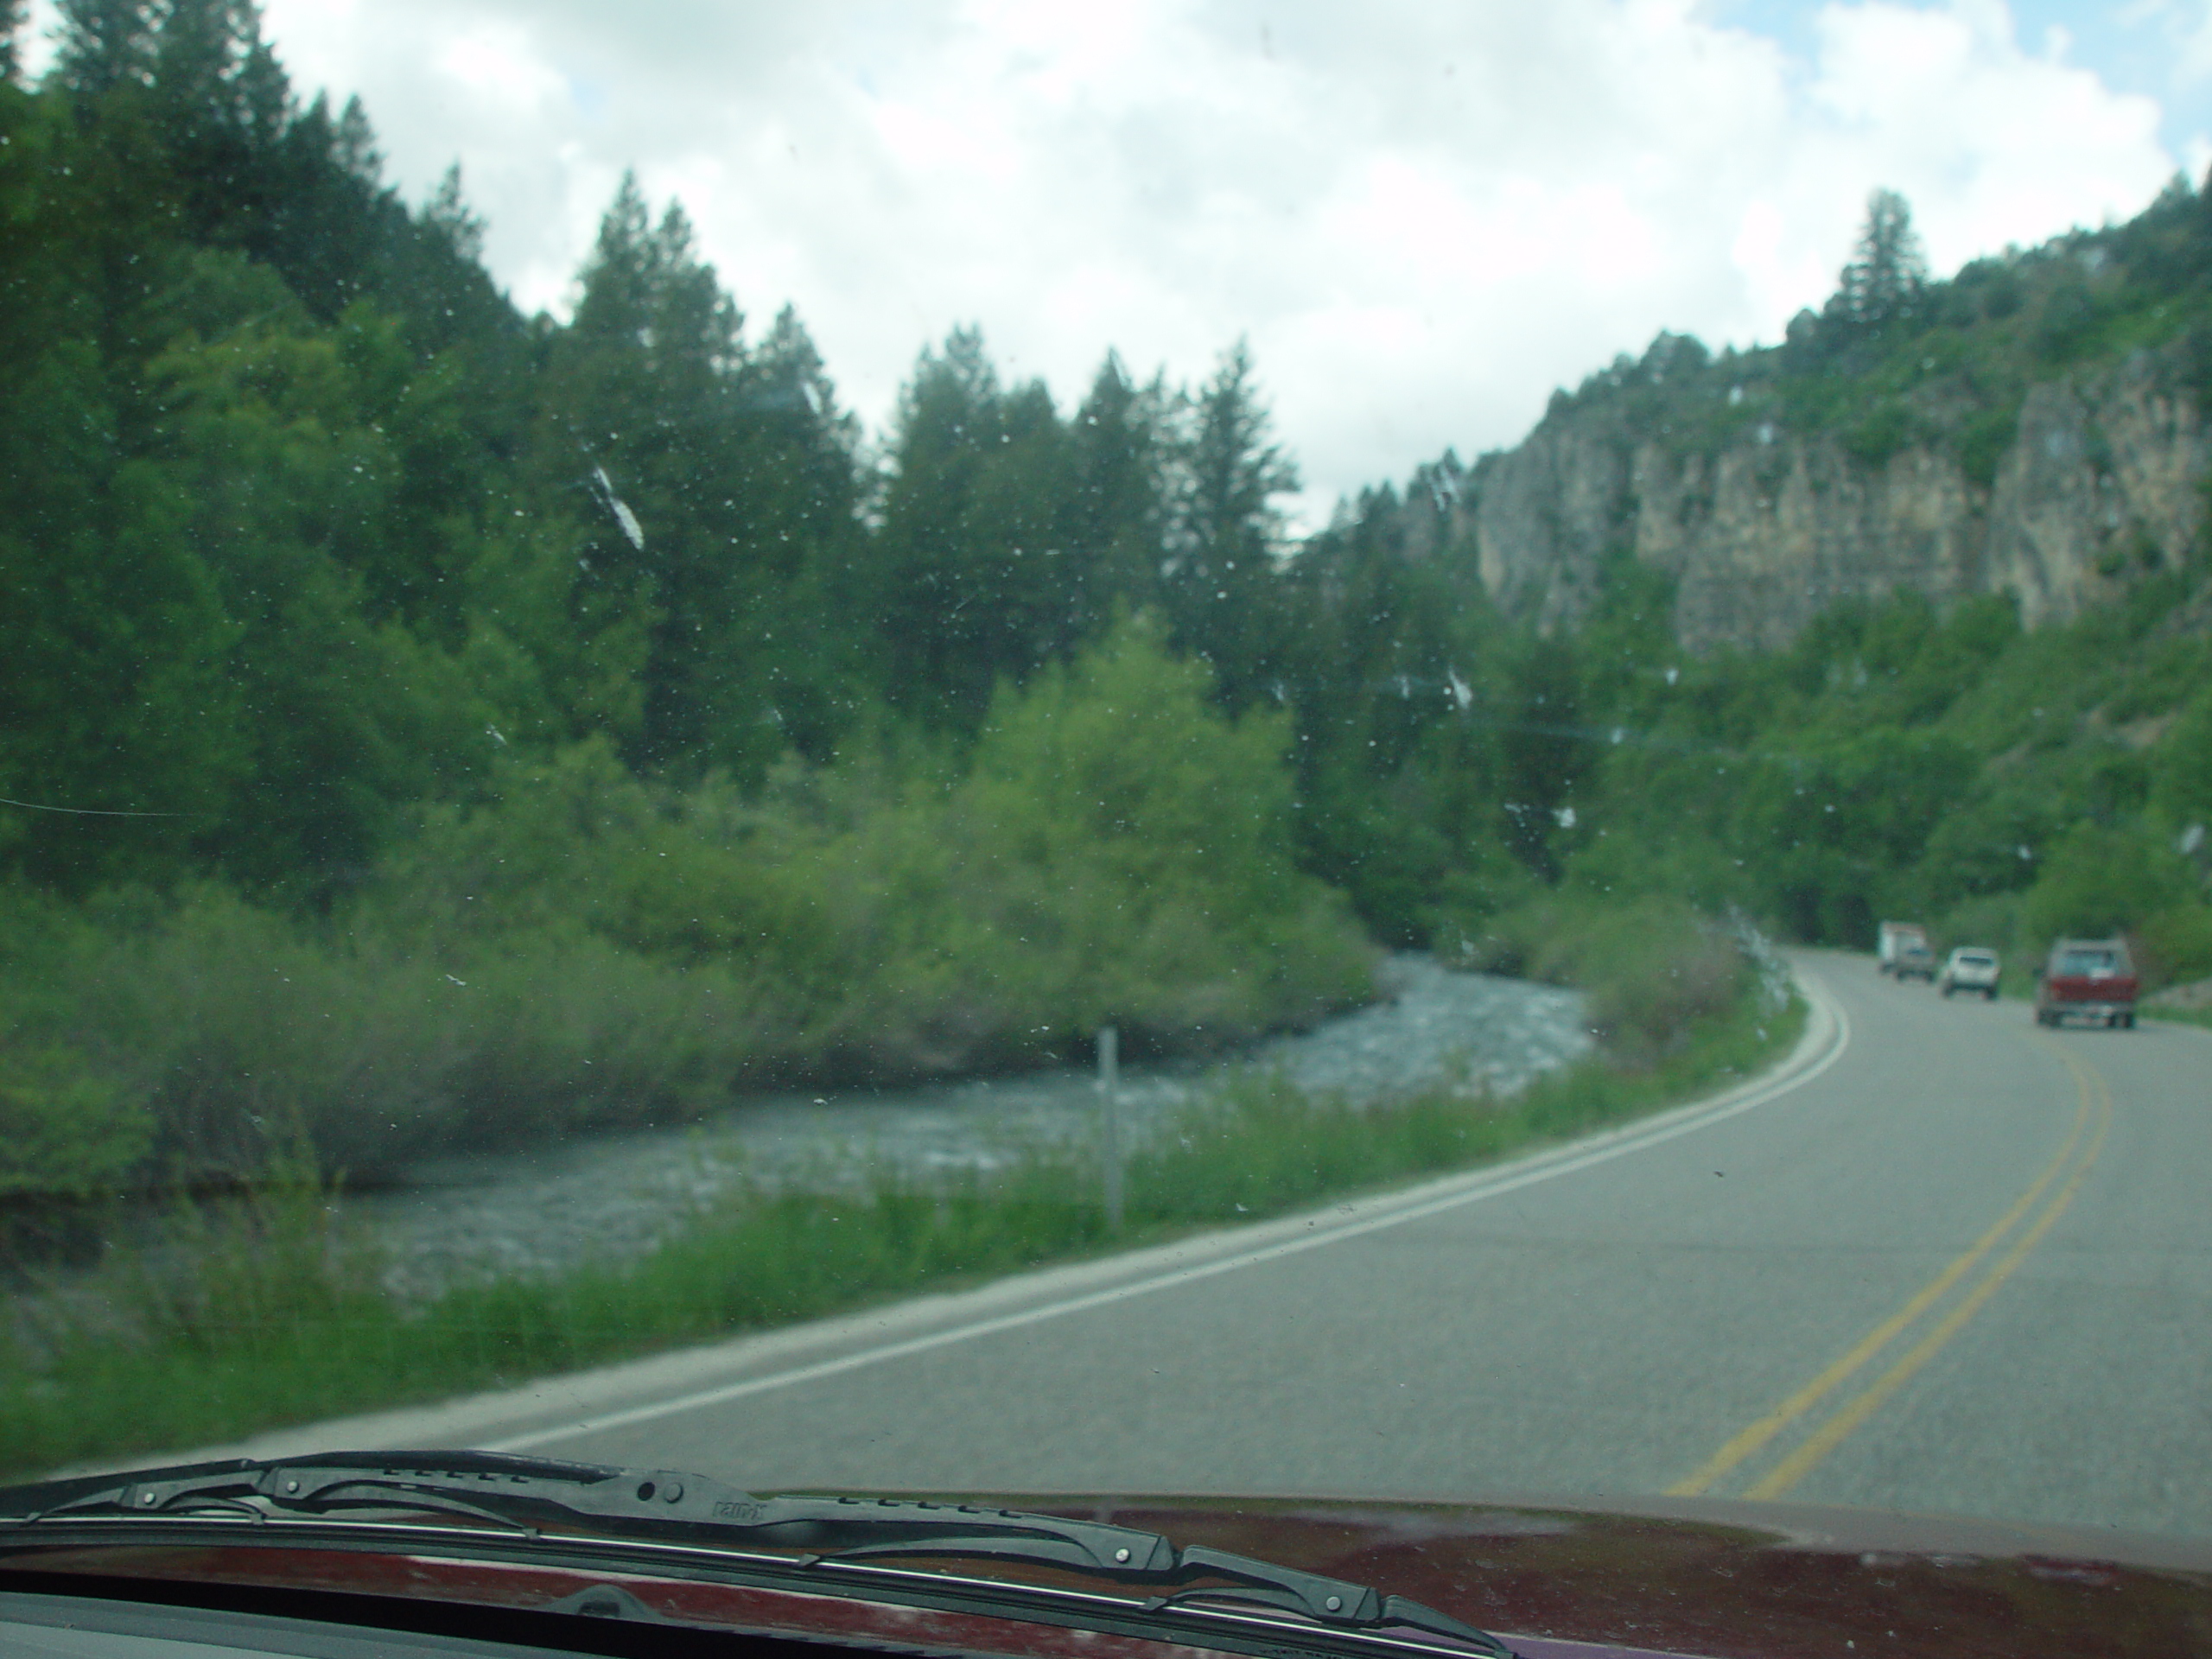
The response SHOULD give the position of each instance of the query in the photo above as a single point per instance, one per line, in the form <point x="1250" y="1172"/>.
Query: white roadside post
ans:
<point x="1110" y="1097"/>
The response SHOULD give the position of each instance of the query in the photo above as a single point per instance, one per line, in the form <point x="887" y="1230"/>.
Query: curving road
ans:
<point x="1949" y="1263"/>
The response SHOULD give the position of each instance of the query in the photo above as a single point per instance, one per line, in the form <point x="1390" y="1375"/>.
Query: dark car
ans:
<point x="2087" y="979"/>
<point x="446" y="1552"/>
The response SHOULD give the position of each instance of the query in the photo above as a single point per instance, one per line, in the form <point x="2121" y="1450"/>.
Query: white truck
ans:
<point x="1970" y="968"/>
<point x="1901" y="951"/>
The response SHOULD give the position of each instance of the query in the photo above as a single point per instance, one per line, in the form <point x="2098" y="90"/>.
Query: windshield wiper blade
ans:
<point x="831" y="1534"/>
<point x="541" y="1492"/>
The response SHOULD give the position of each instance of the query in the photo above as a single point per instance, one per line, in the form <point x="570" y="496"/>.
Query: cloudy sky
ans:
<point x="1424" y="215"/>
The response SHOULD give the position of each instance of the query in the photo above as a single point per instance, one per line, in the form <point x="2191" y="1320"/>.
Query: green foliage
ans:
<point x="419" y="723"/>
<point x="1152" y="840"/>
<point x="1897" y="761"/>
<point x="1221" y="589"/>
<point x="581" y="949"/>
<point x="1431" y="762"/>
<point x="720" y="476"/>
<point x="65" y="1130"/>
<point x="1112" y="849"/>
<point x="233" y="1024"/>
<point x="2103" y="880"/>
<point x="11" y="22"/>
<point x="1655" y="970"/>
<point x="1981" y="442"/>
<point x="977" y="575"/>
<point x="2183" y="790"/>
<point x="2176" y="944"/>
<point x="1881" y="433"/>
<point x="269" y="1253"/>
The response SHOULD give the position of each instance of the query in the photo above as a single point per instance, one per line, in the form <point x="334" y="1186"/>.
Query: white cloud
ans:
<point x="1424" y="217"/>
<point x="493" y="65"/>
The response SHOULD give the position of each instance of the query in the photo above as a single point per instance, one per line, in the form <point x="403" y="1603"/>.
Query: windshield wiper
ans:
<point x="1188" y="1590"/>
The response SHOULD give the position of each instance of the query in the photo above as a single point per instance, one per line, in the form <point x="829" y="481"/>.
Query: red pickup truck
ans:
<point x="2087" y="979"/>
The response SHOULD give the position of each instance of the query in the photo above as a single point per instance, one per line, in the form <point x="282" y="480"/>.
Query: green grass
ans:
<point x="279" y="1322"/>
<point x="2179" y="1016"/>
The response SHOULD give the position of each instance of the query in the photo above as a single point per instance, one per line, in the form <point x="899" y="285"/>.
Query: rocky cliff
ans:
<point x="2103" y="478"/>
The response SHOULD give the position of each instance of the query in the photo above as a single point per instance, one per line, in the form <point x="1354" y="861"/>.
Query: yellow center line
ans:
<point x="1755" y="1437"/>
<point x="1795" y="1467"/>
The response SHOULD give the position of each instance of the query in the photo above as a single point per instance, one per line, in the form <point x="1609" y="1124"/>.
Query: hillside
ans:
<point x="2034" y="426"/>
<point x="1909" y="615"/>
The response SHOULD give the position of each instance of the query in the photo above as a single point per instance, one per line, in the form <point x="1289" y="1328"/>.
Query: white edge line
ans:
<point x="1617" y="1144"/>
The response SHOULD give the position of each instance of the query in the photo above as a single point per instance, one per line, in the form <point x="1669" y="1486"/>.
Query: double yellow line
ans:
<point x="2096" y="1103"/>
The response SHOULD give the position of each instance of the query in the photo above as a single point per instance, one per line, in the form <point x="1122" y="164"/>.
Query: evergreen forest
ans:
<point x="423" y="724"/>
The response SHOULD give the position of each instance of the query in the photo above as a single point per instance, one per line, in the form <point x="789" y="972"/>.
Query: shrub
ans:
<point x="2103" y="880"/>
<point x="2176" y="945"/>
<point x="2183" y="785"/>
<point x="1984" y="439"/>
<point x="1653" y="967"/>
<point x="1115" y="851"/>
<point x="66" y="1132"/>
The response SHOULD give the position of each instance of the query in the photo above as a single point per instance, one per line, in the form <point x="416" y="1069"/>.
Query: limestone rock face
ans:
<point x="2103" y="480"/>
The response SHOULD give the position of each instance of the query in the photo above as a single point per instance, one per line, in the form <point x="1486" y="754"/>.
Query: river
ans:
<point x="612" y="1196"/>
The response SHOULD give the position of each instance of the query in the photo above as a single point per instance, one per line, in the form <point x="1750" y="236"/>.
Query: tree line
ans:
<point x="302" y="525"/>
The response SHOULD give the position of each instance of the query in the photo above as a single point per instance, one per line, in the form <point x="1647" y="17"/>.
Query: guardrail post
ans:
<point x="1109" y="1102"/>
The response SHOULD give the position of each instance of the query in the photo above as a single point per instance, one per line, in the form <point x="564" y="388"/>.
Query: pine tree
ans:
<point x="1887" y="277"/>
<point x="971" y="570"/>
<point x="354" y="143"/>
<point x="221" y="102"/>
<point x="715" y="476"/>
<point x="1118" y="519"/>
<point x="201" y="51"/>
<point x="927" y="600"/>
<point x="104" y="44"/>
<point x="449" y="214"/>
<point x="324" y="228"/>
<point x="1220" y="580"/>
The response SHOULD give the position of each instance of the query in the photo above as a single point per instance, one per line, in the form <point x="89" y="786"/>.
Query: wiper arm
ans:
<point x="828" y="1534"/>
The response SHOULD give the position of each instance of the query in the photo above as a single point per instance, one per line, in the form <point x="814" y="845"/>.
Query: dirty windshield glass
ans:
<point x="1193" y="749"/>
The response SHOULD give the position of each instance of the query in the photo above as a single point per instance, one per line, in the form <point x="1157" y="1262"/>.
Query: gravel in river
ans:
<point x="617" y="1195"/>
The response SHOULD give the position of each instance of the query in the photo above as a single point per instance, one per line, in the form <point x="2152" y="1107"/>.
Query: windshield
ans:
<point x="1054" y="753"/>
<point x="2086" y="961"/>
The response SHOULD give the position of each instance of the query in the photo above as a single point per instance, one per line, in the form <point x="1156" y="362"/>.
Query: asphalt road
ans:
<point x="1959" y="1265"/>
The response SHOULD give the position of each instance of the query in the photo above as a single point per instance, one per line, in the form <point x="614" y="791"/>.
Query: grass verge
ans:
<point x="278" y="1321"/>
<point x="2178" y="1016"/>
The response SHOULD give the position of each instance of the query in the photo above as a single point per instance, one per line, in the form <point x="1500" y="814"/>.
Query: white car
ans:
<point x="1970" y="968"/>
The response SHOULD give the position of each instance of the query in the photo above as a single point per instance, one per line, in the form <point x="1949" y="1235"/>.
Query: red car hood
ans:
<point x="1732" y="1580"/>
<point x="1718" y="1579"/>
